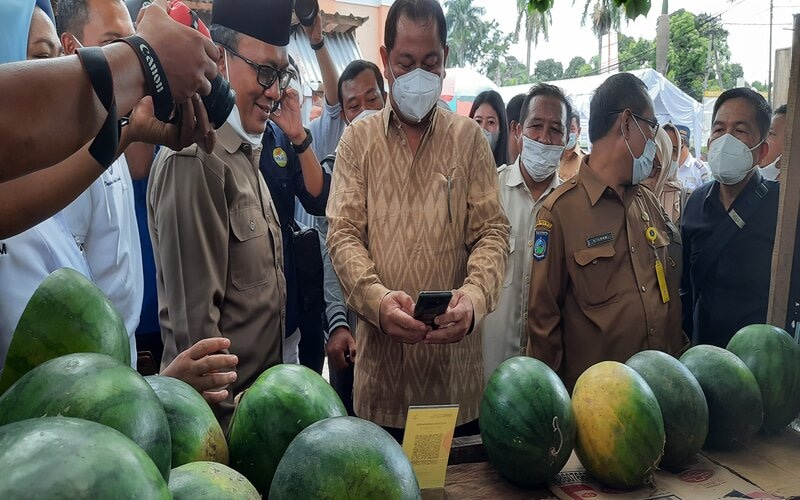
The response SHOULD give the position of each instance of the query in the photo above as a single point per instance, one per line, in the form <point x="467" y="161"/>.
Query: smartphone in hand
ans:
<point x="431" y="304"/>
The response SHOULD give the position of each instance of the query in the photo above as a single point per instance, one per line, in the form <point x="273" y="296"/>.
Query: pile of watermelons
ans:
<point x="627" y="420"/>
<point x="76" y="421"/>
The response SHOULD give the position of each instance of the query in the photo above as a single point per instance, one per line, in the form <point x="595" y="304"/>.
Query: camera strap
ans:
<point x="104" y="147"/>
<point x="155" y="77"/>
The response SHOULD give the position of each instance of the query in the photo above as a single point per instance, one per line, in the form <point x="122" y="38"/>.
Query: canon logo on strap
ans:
<point x="159" y="86"/>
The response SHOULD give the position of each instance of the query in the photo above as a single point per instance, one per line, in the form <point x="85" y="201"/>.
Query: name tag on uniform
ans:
<point x="593" y="241"/>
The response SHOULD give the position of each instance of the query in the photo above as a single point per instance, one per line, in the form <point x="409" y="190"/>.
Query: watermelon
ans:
<point x="283" y="401"/>
<point x="344" y="457"/>
<point x="735" y="409"/>
<point x="620" y="438"/>
<point x="527" y="424"/>
<point x="66" y="314"/>
<point x="683" y="405"/>
<point x="93" y="387"/>
<point x="196" y="434"/>
<point x="69" y="458"/>
<point x="210" y="481"/>
<point x="774" y="359"/>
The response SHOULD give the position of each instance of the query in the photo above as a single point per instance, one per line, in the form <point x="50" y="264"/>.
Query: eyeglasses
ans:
<point x="266" y="74"/>
<point x="653" y="124"/>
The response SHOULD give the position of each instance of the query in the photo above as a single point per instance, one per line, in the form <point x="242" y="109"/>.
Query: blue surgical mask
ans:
<point x="573" y="140"/>
<point x="643" y="165"/>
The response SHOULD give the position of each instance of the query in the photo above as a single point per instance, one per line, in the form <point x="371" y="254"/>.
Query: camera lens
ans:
<point x="219" y="102"/>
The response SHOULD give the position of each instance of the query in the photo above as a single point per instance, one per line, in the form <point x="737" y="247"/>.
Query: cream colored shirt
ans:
<point x="505" y="332"/>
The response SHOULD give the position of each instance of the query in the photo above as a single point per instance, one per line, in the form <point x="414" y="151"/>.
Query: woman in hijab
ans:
<point x="663" y="180"/>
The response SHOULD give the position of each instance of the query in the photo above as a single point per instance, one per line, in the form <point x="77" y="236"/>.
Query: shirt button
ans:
<point x="527" y="279"/>
<point x="594" y="262"/>
<point x="530" y="243"/>
<point x="633" y="250"/>
<point x="652" y="331"/>
<point x="252" y="225"/>
<point x="525" y="316"/>
<point x="644" y="289"/>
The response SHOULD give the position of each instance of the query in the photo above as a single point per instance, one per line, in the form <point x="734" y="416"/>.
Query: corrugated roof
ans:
<point x="342" y="47"/>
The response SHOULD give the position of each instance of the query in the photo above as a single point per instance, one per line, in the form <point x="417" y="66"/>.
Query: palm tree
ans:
<point x="605" y="17"/>
<point x="536" y="24"/>
<point x="463" y="21"/>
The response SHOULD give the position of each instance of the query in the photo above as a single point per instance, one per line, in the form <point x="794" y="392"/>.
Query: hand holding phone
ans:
<point x="430" y="305"/>
<point x="396" y="320"/>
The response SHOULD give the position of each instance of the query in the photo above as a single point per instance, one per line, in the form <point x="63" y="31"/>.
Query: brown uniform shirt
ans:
<point x="570" y="163"/>
<point x="430" y="221"/>
<point x="594" y="293"/>
<point x="218" y="255"/>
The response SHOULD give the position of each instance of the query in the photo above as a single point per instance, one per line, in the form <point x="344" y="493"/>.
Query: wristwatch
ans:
<point x="317" y="46"/>
<point x="301" y="148"/>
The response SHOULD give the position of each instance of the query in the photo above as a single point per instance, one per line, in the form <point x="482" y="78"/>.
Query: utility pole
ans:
<point x="662" y="38"/>
<point x="769" y="77"/>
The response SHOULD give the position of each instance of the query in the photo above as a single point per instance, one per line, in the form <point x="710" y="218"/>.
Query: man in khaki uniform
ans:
<point x="596" y="293"/>
<point x="573" y="154"/>
<point x="215" y="231"/>
<point x="414" y="206"/>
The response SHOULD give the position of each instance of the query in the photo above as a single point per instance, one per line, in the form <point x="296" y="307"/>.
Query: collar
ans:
<point x="390" y="115"/>
<point x="576" y="151"/>
<point x="688" y="161"/>
<point x="229" y="139"/>
<point x="515" y="178"/>
<point x="591" y="183"/>
<point x="754" y="181"/>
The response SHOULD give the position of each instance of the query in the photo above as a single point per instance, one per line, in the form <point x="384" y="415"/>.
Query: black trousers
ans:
<point x="312" y="342"/>
<point x="342" y="382"/>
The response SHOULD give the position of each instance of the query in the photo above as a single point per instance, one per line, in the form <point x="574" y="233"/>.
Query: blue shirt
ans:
<point x="281" y="169"/>
<point x="736" y="289"/>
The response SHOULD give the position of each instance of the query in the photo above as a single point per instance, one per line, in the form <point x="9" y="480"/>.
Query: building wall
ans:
<point x="370" y="34"/>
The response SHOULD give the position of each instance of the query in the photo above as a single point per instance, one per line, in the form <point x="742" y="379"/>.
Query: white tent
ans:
<point x="671" y="103"/>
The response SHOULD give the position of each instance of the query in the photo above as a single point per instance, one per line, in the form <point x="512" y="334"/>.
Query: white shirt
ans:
<point x="505" y="331"/>
<point x="693" y="173"/>
<point x="25" y="261"/>
<point x="103" y="222"/>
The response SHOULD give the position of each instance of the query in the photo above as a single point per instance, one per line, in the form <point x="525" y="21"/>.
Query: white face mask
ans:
<point x="572" y="142"/>
<point x="730" y="159"/>
<point x="365" y="113"/>
<point x="416" y="93"/>
<point x="540" y="160"/>
<point x="491" y="137"/>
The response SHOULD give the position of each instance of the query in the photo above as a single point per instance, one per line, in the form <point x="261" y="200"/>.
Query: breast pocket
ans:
<point x="510" y="266"/>
<point x="593" y="277"/>
<point x="249" y="252"/>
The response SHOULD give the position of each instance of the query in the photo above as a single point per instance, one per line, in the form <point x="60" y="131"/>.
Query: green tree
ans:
<point x="548" y="70"/>
<point x="537" y="24"/>
<point x="636" y="54"/>
<point x="759" y="87"/>
<point x="605" y="17"/>
<point x="512" y="72"/>
<point x="473" y="41"/>
<point x="577" y="67"/>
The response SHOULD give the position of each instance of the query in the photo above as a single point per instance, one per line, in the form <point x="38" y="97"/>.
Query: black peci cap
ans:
<point x="267" y="20"/>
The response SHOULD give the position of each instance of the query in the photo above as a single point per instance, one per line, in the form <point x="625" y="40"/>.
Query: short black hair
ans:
<point x="760" y="106"/>
<point x="73" y="16"/>
<point x="577" y="117"/>
<point x="416" y="10"/>
<point x="545" y="89"/>
<point x="354" y="69"/>
<point x="494" y="100"/>
<point x="781" y="110"/>
<point x="513" y="108"/>
<point x="619" y="92"/>
<point x="224" y="36"/>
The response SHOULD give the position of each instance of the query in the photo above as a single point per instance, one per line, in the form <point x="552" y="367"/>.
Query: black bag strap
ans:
<point x="738" y="215"/>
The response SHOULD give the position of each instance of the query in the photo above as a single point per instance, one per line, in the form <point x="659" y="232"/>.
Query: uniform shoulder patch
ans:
<point x="544" y="223"/>
<point x="540" y="242"/>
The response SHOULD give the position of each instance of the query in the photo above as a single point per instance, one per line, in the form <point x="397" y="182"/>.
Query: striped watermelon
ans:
<point x="196" y="435"/>
<point x="620" y="438"/>
<point x="66" y="314"/>
<point x="527" y="424"/>
<point x="70" y="458"/>
<point x="93" y="387"/>
<point x="683" y="405"/>
<point x="210" y="481"/>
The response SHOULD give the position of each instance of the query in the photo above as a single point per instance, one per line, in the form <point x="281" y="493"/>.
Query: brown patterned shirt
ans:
<point x="430" y="221"/>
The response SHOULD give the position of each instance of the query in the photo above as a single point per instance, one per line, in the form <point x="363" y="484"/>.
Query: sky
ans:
<point x="747" y="22"/>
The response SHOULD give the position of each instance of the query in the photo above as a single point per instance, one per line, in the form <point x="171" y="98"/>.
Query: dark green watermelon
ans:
<point x="66" y="314"/>
<point x="59" y="458"/>
<point x="620" y="438"/>
<point x="774" y="359"/>
<point x="283" y="401"/>
<point x="344" y="457"/>
<point x="210" y="481"/>
<point x="682" y="402"/>
<point x="735" y="410"/>
<point x="195" y="432"/>
<point x="527" y="424"/>
<point x="93" y="387"/>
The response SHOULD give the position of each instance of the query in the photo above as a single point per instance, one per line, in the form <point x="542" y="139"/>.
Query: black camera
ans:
<point x="306" y="11"/>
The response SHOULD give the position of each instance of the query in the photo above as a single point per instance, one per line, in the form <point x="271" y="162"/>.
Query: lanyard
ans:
<point x="651" y="234"/>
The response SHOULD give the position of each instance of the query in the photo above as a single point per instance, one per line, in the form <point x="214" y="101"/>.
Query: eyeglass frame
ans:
<point x="258" y="68"/>
<point x="654" y="125"/>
